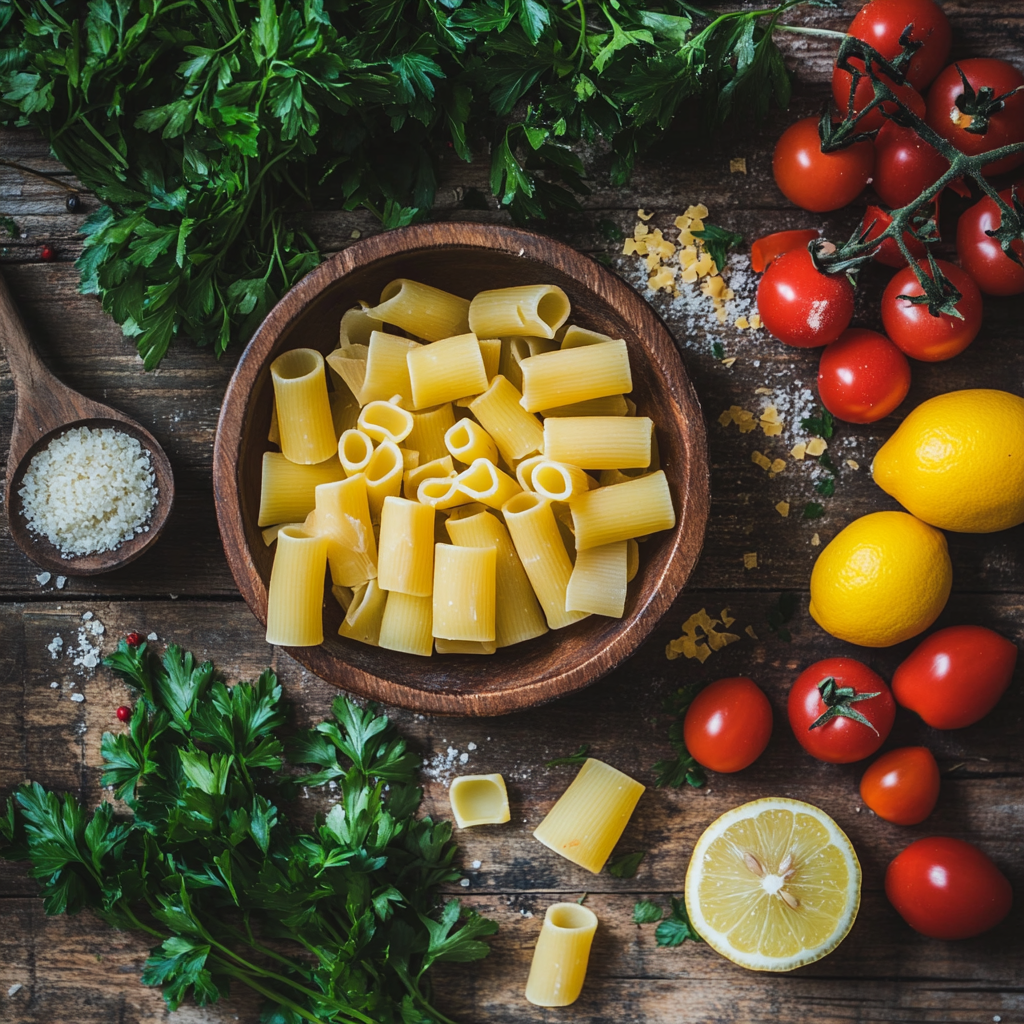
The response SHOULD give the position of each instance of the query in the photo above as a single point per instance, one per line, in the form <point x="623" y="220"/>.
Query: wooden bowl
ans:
<point x="465" y="258"/>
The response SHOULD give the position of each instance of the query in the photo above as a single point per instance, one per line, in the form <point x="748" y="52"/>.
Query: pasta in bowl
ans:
<point x="497" y="402"/>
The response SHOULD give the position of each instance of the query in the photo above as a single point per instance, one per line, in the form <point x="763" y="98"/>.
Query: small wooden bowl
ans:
<point x="465" y="258"/>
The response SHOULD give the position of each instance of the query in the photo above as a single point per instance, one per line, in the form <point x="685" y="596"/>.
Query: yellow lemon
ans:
<point x="957" y="461"/>
<point x="773" y="885"/>
<point x="883" y="579"/>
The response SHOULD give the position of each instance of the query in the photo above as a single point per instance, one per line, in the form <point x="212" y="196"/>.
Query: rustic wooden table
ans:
<point x="75" y="971"/>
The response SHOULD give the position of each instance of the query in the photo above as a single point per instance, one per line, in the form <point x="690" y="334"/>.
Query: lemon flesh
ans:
<point x="773" y="885"/>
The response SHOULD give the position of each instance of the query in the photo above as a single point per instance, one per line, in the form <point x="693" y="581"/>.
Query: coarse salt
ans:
<point x="43" y="578"/>
<point x="78" y="697"/>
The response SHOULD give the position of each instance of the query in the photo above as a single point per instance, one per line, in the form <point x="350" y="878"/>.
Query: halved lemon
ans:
<point x="773" y="885"/>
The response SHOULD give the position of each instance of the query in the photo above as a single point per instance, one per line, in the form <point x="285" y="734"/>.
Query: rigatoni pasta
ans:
<point x="531" y="309"/>
<point x="304" y="422"/>
<point x="464" y="592"/>
<point x="422" y="310"/>
<point x="560" y="958"/>
<point x="387" y="372"/>
<point x="446" y="370"/>
<point x="288" y="489"/>
<point x="599" y="442"/>
<point x="575" y="375"/>
<point x="406" y="624"/>
<point x="429" y="427"/>
<point x="515" y="431"/>
<point x="342" y="517"/>
<point x="295" y="596"/>
<point x="598" y="581"/>
<point x="631" y="509"/>
<point x="406" y="552"/>
<point x="467" y="441"/>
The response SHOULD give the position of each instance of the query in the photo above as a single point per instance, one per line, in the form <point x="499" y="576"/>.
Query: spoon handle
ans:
<point x="27" y="368"/>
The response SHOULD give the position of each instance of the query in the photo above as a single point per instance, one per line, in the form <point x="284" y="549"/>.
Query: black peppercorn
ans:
<point x="73" y="203"/>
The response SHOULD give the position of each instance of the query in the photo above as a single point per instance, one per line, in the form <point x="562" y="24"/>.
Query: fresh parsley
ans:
<point x="580" y="757"/>
<point x="813" y="510"/>
<point x="626" y="865"/>
<point x="717" y="242"/>
<point x="682" y="768"/>
<point x="822" y="423"/>
<point x="782" y="612"/>
<point x="827" y="487"/>
<point x="676" y="928"/>
<point x="646" y="912"/>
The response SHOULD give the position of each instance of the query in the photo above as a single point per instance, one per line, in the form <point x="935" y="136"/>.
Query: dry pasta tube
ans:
<point x="363" y="618"/>
<point x="559" y="481"/>
<point x="532" y="309"/>
<point x="303" y="408"/>
<point x="589" y="818"/>
<point x="524" y="471"/>
<point x="405" y="560"/>
<point x="387" y="372"/>
<point x="632" y="559"/>
<point x="385" y="421"/>
<point x="438" y="469"/>
<point x="410" y="460"/>
<point x="441" y="493"/>
<point x="429" y="428"/>
<point x="271" y="532"/>
<point x="344" y="411"/>
<point x="534" y="532"/>
<point x="464" y="592"/>
<point x="288" y="490"/>
<point x="446" y="370"/>
<point x="467" y="441"/>
<point x="350" y="365"/>
<point x="342" y="518"/>
<point x="539" y="345"/>
<point x="518" y="614"/>
<point x="422" y="310"/>
<point x="515" y="431"/>
<point x="561" y="955"/>
<point x="274" y="433"/>
<point x="631" y="509"/>
<point x="406" y="623"/>
<point x="295" y="596"/>
<point x="355" y="449"/>
<point x="598" y="581"/>
<point x="610" y="405"/>
<point x="599" y="442"/>
<point x="490" y="351"/>
<point x="465" y="646"/>
<point x="384" y="474"/>
<point x="484" y="482"/>
<point x="574" y="337"/>
<point x="356" y="327"/>
<point x="572" y="375"/>
<point x="479" y="800"/>
<point x="513" y="352"/>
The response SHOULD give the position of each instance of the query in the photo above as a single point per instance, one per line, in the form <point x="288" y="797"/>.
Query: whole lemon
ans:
<point x="882" y="580"/>
<point x="957" y="461"/>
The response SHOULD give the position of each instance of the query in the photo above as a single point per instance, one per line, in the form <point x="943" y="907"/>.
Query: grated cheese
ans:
<point x="760" y="460"/>
<point x="693" y="645"/>
<point x="816" y="446"/>
<point x="782" y="508"/>
<point x="853" y="464"/>
<point x="738" y="165"/>
<point x="750" y="632"/>
<point x="815" y="540"/>
<point x="750" y="560"/>
<point x="799" y="451"/>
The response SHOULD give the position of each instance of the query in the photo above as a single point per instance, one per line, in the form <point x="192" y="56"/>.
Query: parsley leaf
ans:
<point x="626" y="865"/>
<point x="813" y="510"/>
<point x="682" y="768"/>
<point x="717" y="242"/>
<point x="580" y="757"/>
<point x="822" y="423"/>
<point x="676" y="928"/>
<point x="781" y="613"/>
<point x="646" y="912"/>
<point x="826" y="487"/>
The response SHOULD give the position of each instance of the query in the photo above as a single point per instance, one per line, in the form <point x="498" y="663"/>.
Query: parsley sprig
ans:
<point x="209" y="866"/>
<point x="683" y="767"/>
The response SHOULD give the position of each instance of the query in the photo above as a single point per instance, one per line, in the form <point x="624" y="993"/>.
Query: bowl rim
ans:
<point x="693" y="494"/>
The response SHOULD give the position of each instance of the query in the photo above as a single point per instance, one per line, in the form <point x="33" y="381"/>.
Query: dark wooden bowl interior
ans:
<point x="466" y="258"/>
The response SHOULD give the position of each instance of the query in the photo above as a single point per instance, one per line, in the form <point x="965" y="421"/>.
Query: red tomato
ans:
<point x="862" y="376"/>
<point x="956" y="676"/>
<point x="728" y="724"/>
<point x="765" y="249"/>
<point x="819" y="181"/>
<point x="876" y="220"/>
<point x="982" y="256"/>
<point x="947" y="889"/>
<point x="902" y="786"/>
<point x="918" y="333"/>
<point x="1005" y="125"/>
<point x="840" y="710"/>
<point x="881" y="23"/>
<point x="802" y="306"/>
<point x="905" y="165"/>
<point x="865" y="94"/>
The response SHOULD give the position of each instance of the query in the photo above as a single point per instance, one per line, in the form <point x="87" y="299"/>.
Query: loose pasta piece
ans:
<point x="599" y="442"/>
<point x="632" y="559"/>
<point x="288" y="489"/>
<point x="429" y="428"/>
<point x="441" y="493"/>
<point x="561" y="955"/>
<point x="608" y="477"/>
<point x="516" y="432"/>
<point x="588" y="819"/>
<point x="437" y="469"/>
<point x="387" y="372"/>
<point x="446" y="370"/>
<point x="631" y="509"/>
<point x="363" y="618"/>
<point x="518" y="614"/>
<point x="274" y="433"/>
<point x="465" y="646"/>
<point x="406" y="623"/>
<point x="572" y="375"/>
<point x="574" y="337"/>
<point x="384" y="474"/>
<point x="467" y="441"/>
<point x="355" y="449"/>
<point x="422" y="310"/>
<point x="344" y="411"/>
<point x="303" y="408"/>
<point x="524" y="471"/>
<point x="405" y="560"/>
<point x="385" y="421"/>
<point x="532" y="309"/>
<point x="610" y="405"/>
<point x="471" y="508"/>
<point x="295" y="596"/>
<point x="513" y="352"/>
<point x="356" y="327"/>
<point x="271" y="532"/>
<point x="410" y="460"/>
<point x="539" y="345"/>
<point x="484" y="482"/>
<point x="598" y="581"/>
<point x="464" y="592"/>
<point x="350" y="365"/>
<point x="559" y="481"/>
<point x="478" y="799"/>
<point x="344" y="596"/>
<point x="534" y="532"/>
<point x="342" y="516"/>
<point x="490" y="351"/>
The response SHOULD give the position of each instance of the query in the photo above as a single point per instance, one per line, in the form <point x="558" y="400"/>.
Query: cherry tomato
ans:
<point x="881" y="23"/>
<point x="902" y="786"/>
<point x="840" y="710"/>
<point x="956" y="676"/>
<point x="918" y="333"/>
<point x="865" y="94"/>
<point x="982" y="256"/>
<point x="876" y="220"/>
<point x="947" y="889"/>
<point x="765" y="249"/>
<point x="728" y="724"/>
<point x="819" y="181"/>
<point x="862" y="376"/>
<point x="802" y="306"/>
<point x="905" y="165"/>
<point x="950" y="115"/>
<point x="124" y="713"/>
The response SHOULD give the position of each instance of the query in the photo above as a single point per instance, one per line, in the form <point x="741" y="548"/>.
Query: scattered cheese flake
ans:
<point x="727" y="619"/>
<point x="770" y="415"/>
<point x="692" y="643"/>
<point x="816" y="446"/>
<point x="799" y="451"/>
<point x="43" y="578"/>
<point x="750" y="632"/>
<point x="662" y="279"/>
<point x="728" y="361"/>
<point x="760" y="460"/>
<point x="644" y="216"/>
<point x="853" y="464"/>
<point x="741" y="322"/>
<point x="755" y="322"/>
<point x="750" y="560"/>
<point x="726" y="418"/>
<point x="697" y="212"/>
<point x="738" y="165"/>
<point x="771" y="429"/>
<point x="782" y="508"/>
<point x="763" y="391"/>
<point x="78" y="697"/>
<point x="777" y="466"/>
<point x="815" y="540"/>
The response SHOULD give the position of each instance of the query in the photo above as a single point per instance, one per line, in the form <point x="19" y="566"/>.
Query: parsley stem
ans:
<point x="275" y="996"/>
<point x="807" y="30"/>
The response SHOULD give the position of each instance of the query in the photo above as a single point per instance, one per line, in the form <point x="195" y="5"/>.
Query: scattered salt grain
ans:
<point x="61" y="580"/>
<point x="476" y="865"/>
<point x="152" y="636"/>
<point x="463" y="758"/>
<point x="471" y="746"/>
<point x="78" y="697"/>
<point x="55" y="646"/>
<point x="86" y="616"/>
<point x="464" y="883"/>
<point x="17" y="987"/>
<point x="43" y="578"/>
<point x="54" y="686"/>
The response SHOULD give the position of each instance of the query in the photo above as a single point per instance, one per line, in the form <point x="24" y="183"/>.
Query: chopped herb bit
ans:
<point x="682" y="768"/>
<point x="626" y="865"/>
<point x="826" y="487"/>
<point x="579" y="757"/>
<point x="676" y="928"/>
<point x="783" y="611"/>
<point x="12" y="229"/>
<point x="718" y="350"/>
<point x="824" y="459"/>
<point x="646" y="912"/>
<point x="583" y="898"/>
<point x="611" y="230"/>
<point x="717" y="242"/>
<point x="823" y="424"/>
<point x="813" y="510"/>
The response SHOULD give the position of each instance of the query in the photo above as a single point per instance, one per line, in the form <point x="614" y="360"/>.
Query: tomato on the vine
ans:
<point x="800" y="305"/>
<point x="947" y="889"/>
<point x="902" y="786"/>
<point x="819" y="181"/>
<point x="953" y="111"/>
<point x="840" y="710"/>
<point x="766" y="248"/>
<point x="982" y="256"/>
<point x="865" y="93"/>
<point x="923" y="336"/>
<point x="876" y="220"/>
<point x="905" y="165"/>
<point x="956" y="676"/>
<point x="728" y="725"/>
<point x="862" y="376"/>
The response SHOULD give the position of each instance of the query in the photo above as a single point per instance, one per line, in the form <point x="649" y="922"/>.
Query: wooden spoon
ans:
<point x="45" y="408"/>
